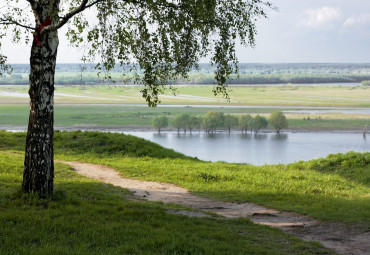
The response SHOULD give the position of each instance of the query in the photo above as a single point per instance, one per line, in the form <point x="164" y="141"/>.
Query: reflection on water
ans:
<point x="258" y="149"/>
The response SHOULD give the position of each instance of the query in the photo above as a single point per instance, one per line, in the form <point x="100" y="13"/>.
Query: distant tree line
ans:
<point x="214" y="120"/>
<point x="74" y="74"/>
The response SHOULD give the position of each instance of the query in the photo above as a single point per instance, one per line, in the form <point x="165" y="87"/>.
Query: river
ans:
<point x="260" y="149"/>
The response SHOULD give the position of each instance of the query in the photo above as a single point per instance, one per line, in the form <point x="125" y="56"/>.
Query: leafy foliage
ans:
<point x="257" y="123"/>
<point x="160" y="122"/>
<point x="231" y="121"/>
<point x="213" y="120"/>
<point x="278" y="121"/>
<point x="365" y="83"/>
<point x="244" y="122"/>
<point x="168" y="38"/>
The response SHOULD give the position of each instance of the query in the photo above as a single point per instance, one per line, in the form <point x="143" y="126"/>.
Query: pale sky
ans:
<point x="301" y="31"/>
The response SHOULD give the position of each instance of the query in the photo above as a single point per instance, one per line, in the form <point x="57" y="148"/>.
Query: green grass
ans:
<point x="121" y="116"/>
<point x="85" y="216"/>
<point x="109" y="106"/>
<point x="262" y="95"/>
<point x="316" y="188"/>
<point x="327" y="124"/>
<point x="306" y="191"/>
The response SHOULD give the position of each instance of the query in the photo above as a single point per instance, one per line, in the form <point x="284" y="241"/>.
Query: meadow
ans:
<point x="122" y="106"/>
<point x="253" y="95"/>
<point x="316" y="188"/>
<point x="87" y="216"/>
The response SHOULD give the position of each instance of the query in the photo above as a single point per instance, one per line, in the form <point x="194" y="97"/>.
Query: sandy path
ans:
<point x="344" y="239"/>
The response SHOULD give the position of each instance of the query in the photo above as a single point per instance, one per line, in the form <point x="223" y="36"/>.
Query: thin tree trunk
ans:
<point x="39" y="159"/>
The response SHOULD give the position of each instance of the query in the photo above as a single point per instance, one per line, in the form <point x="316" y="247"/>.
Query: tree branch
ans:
<point x="63" y="20"/>
<point x="84" y="5"/>
<point x="13" y="22"/>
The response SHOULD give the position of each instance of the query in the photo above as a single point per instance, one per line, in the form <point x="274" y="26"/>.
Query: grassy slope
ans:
<point x="85" y="216"/>
<point x="317" y="188"/>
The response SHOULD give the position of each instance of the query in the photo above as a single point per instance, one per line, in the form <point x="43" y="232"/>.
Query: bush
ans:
<point x="365" y="83"/>
<point x="278" y="121"/>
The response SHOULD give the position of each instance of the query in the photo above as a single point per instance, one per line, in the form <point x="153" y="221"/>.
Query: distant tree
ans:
<point x="231" y="121"/>
<point x="278" y="121"/>
<point x="160" y="122"/>
<point x="257" y="123"/>
<point x="206" y="124"/>
<point x="193" y="122"/>
<point x="213" y="120"/>
<point x="244" y="122"/>
<point x="365" y="83"/>
<point x="181" y="122"/>
<point x="176" y="123"/>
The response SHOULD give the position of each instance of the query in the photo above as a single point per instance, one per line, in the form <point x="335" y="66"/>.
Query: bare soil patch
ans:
<point x="342" y="238"/>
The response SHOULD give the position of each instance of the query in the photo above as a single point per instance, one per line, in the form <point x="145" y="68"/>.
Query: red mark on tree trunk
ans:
<point x="47" y="22"/>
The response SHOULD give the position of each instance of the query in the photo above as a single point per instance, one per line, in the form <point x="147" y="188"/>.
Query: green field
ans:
<point x="261" y="95"/>
<point x="86" y="216"/>
<point x="110" y="106"/>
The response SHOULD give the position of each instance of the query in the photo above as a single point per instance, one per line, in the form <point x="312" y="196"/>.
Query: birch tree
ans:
<point x="158" y="40"/>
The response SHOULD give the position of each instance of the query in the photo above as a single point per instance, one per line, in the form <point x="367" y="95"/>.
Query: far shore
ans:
<point x="151" y="129"/>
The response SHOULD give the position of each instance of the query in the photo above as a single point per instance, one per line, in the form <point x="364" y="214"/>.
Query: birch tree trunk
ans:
<point x="39" y="159"/>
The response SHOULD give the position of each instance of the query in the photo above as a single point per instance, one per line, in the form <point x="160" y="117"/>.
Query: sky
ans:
<point x="301" y="31"/>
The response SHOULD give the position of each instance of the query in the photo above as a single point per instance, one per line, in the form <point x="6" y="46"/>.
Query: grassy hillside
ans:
<point x="317" y="188"/>
<point x="85" y="216"/>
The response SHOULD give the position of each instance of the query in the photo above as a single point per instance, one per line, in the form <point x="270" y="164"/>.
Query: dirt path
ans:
<point x="344" y="239"/>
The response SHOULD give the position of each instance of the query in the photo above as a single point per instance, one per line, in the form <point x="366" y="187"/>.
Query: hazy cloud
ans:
<point x="319" y="17"/>
<point x="361" y="19"/>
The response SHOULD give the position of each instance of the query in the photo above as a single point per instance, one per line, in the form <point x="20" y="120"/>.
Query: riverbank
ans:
<point x="147" y="128"/>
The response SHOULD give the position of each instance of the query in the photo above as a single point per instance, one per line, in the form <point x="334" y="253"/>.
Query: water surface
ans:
<point x="259" y="149"/>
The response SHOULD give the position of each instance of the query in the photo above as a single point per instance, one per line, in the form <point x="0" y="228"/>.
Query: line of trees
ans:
<point x="196" y="78"/>
<point x="214" y="120"/>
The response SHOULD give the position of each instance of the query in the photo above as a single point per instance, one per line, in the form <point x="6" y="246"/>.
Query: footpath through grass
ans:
<point x="336" y="188"/>
<point x="86" y="216"/>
